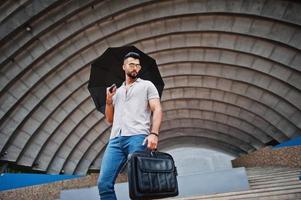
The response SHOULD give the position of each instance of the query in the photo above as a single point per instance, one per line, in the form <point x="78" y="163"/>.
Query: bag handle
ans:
<point x="153" y="151"/>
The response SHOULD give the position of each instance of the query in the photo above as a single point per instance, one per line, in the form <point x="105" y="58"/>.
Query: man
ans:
<point x="129" y="109"/>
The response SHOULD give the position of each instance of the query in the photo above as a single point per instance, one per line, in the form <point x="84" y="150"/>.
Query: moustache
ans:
<point x="133" y="74"/>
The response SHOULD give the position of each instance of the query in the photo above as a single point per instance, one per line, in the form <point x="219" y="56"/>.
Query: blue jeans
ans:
<point x="114" y="158"/>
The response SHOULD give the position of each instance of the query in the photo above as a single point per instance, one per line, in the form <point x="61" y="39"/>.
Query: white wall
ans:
<point x="191" y="160"/>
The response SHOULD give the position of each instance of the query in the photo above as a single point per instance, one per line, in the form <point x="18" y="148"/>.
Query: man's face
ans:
<point x="131" y="66"/>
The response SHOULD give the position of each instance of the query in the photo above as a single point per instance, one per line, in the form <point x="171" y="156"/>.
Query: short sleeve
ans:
<point x="152" y="92"/>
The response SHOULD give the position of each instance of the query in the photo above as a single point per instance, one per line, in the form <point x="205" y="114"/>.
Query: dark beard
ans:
<point x="132" y="75"/>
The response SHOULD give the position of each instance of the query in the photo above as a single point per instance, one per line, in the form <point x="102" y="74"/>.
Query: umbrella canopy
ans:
<point x="107" y="70"/>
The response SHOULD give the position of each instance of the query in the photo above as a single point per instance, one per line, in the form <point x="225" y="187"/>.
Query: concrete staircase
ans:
<point x="265" y="183"/>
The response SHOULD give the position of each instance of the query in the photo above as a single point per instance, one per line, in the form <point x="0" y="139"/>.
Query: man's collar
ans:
<point x="137" y="80"/>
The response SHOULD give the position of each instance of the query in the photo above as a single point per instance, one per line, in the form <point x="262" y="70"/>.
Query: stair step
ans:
<point x="291" y="196"/>
<point x="292" y="191"/>
<point x="272" y="168"/>
<point x="273" y="173"/>
<point x="267" y="173"/>
<point x="270" y="171"/>
<point x="250" y="172"/>
<point x="265" y="184"/>
<point x="289" y="180"/>
<point x="270" y="185"/>
<point x="263" y="179"/>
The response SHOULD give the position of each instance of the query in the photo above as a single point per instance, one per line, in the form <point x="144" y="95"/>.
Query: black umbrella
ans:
<point x="107" y="70"/>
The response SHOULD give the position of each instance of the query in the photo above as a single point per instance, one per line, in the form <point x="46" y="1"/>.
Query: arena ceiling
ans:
<point x="231" y="70"/>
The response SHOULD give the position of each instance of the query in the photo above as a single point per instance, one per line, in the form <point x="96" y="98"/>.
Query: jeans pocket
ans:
<point x="136" y="143"/>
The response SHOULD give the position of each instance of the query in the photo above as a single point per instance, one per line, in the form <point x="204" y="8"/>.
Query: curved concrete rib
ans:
<point x="43" y="145"/>
<point x="132" y="8"/>
<point x="57" y="59"/>
<point x="204" y="132"/>
<point x="239" y="46"/>
<point x="224" y="118"/>
<point x="45" y="65"/>
<point x="187" y="141"/>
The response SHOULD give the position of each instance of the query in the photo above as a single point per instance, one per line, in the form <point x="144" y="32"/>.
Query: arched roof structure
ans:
<point x="232" y="73"/>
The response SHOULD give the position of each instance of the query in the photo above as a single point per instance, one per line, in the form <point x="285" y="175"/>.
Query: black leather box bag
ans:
<point x="152" y="175"/>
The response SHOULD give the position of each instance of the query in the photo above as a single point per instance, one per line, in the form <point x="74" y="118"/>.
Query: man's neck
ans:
<point x="129" y="80"/>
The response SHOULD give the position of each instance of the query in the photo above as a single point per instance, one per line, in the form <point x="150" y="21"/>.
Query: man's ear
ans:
<point x="123" y="67"/>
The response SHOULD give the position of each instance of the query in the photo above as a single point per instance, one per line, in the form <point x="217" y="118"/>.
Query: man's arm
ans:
<point x="109" y="112"/>
<point x="155" y="107"/>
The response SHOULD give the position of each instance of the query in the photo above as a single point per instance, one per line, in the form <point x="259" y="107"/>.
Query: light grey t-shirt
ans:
<point x="131" y="108"/>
